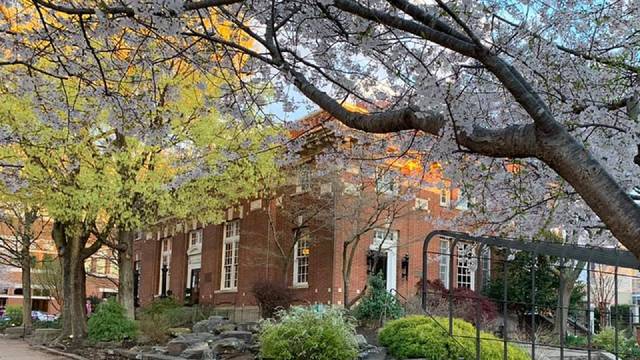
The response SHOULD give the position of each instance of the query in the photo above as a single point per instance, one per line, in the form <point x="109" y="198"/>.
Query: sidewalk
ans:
<point x="19" y="350"/>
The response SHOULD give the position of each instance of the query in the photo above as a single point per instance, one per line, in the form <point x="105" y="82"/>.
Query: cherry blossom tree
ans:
<point x="487" y="87"/>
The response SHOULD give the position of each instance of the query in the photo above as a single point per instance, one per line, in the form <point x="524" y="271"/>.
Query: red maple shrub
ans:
<point x="271" y="297"/>
<point x="467" y="304"/>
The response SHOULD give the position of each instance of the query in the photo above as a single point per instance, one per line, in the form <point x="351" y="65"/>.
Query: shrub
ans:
<point x="271" y="297"/>
<point x="576" y="341"/>
<point x="425" y="337"/>
<point x="157" y="318"/>
<point x="466" y="302"/>
<point x="378" y="304"/>
<point x="628" y="349"/>
<point x="109" y="323"/>
<point x="14" y="312"/>
<point x="304" y="334"/>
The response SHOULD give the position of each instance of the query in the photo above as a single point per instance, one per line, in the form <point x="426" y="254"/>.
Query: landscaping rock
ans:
<point x="45" y="336"/>
<point x="228" y="346"/>
<point x="240" y="356"/>
<point x="14" y="332"/>
<point x="228" y="326"/>
<point x="251" y="326"/>
<point x="362" y="341"/>
<point x="178" y="331"/>
<point x="375" y="353"/>
<point x="245" y="336"/>
<point x="211" y="324"/>
<point x="195" y="351"/>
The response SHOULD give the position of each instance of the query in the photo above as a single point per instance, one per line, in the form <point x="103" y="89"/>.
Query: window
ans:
<point x="444" y="262"/>
<point x="386" y="183"/>
<point x="17" y="291"/>
<point x="304" y="179"/>
<point x="384" y="238"/>
<point x="485" y="260"/>
<point x="301" y="261"/>
<point x="137" y="235"/>
<point x="230" y="249"/>
<point x="101" y="266"/>
<point x="445" y="197"/>
<point x="421" y="204"/>
<point x="165" y="259"/>
<point x="195" y="238"/>
<point x="465" y="273"/>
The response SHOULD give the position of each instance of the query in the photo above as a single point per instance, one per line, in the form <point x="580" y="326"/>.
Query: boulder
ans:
<point x="181" y="343"/>
<point x="228" y="346"/>
<point x="195" y="351"/>
<point x="374" y="353"/>
<point x="14" y="332"/>
<point x="178" y="331"/>
<point x="362" y="341"/>
<point x="211" y="324"/>
<point x="45" y="336"/>
<point x="251" y="326"/>
<point x="239" y="356"/>
<point x="245" y="336"/>
<point x="228" y="326"/>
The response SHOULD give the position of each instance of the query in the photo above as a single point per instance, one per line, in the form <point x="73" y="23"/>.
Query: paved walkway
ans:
<point x="19" y="350"/>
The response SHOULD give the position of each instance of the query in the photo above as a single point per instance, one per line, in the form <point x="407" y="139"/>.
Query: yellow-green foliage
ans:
<point x="304" y="334"/>
<point x="424" y="337"/>
<point x="86" y="170"/>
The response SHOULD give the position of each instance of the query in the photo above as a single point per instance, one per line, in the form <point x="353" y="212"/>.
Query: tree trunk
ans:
<point x="562" y="308"/>
<point x="345" y="277"/>
<point x="26" y="289"/>
<point x="70" y="252"/>
<point x="568" y="277"/>
<point x="126" y="295"/>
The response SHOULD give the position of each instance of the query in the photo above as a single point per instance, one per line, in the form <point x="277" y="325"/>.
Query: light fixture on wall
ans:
<point x="405" y="266"/>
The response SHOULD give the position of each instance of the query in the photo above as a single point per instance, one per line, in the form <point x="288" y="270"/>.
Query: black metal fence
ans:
<point x="535" y="316"/>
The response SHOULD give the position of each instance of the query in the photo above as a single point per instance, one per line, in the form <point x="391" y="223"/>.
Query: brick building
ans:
<point x="296" y="238"/>
<point x="102" y="275"/>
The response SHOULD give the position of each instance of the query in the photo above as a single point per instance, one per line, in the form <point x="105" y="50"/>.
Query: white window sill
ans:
<point x="300" y="286"/>
<point x="226" y="291"/>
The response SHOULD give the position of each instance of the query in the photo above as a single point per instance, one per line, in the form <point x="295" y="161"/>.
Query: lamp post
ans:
<point x="165" y="270"/>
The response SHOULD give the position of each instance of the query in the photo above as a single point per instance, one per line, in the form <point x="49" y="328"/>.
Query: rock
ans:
<point x="251" y="326"/>
<point x="245" y="336"/>
<point x="45" y="336"/>
<point x="211" y="324"/>
<point x="361" y="341"/>
<point x="178" y="331"/>
<point x="228" y="345"/>
<point x="239" y="356"/>
<point x="195" y="351"/>
<point x="228" y="326"/>
<point x="14" y="332"/>
<point x="176" y="347"/>
<point x="375" y="353"/>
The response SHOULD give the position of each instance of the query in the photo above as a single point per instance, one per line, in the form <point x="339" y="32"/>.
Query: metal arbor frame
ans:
<point x="615" y="258"/>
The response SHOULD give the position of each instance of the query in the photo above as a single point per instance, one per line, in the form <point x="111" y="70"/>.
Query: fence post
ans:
<point x="615" y="320"/>
<point x="505" y="327"/>
<point x="533" y="304"/>
<point x="478" y="284"/>
<point x="589" y="313"/>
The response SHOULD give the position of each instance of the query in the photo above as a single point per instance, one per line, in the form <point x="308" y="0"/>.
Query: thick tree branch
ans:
<point x="516" y="141"/>
<point x="125" y="10"/>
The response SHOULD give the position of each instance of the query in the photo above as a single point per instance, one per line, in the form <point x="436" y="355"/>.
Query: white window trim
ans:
<point x="464" y="263"/>
<point x="235" y="240"/>
<point x="447" y="193"/>
<point x="198" y="244"/>
<point x="164" y="252"/>
<point x="302" y="187"/>
<point x="444" y="260"/>
<point x="296" y="259"/>
<point x="387" y="183"/>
